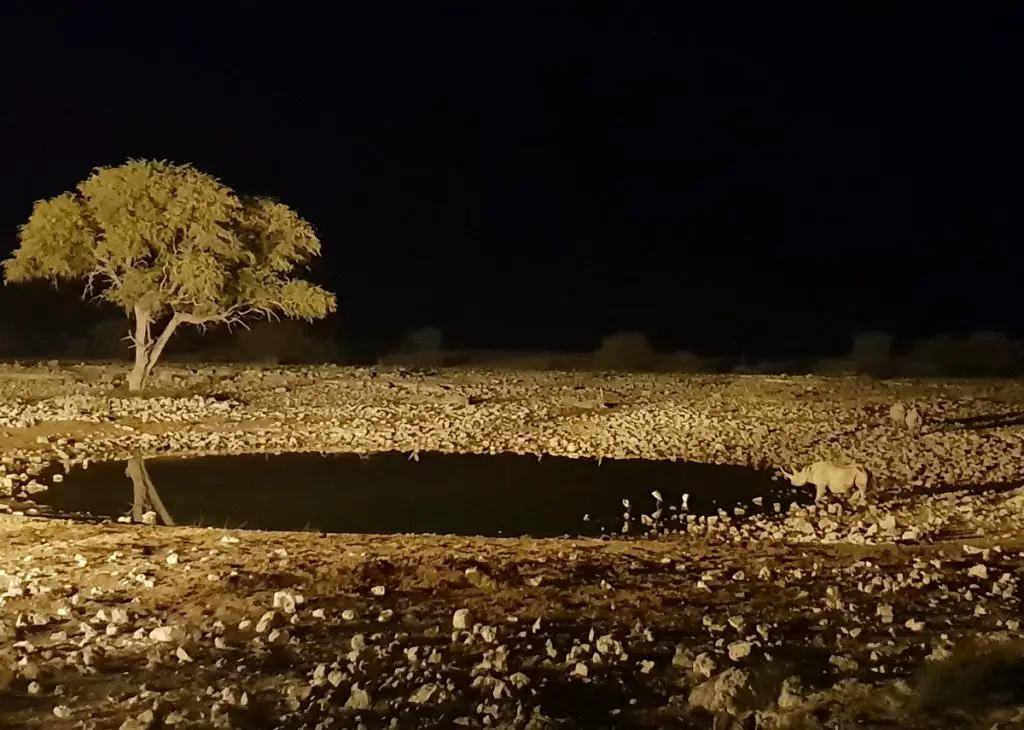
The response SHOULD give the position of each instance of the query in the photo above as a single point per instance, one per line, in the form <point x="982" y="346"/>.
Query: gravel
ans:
<point x="787" y="617"/>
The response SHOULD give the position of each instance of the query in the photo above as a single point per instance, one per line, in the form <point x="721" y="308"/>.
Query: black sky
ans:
<point x="731" y="181"/>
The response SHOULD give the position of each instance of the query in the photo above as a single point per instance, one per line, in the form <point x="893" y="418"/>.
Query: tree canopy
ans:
<point x="170" y="239"/>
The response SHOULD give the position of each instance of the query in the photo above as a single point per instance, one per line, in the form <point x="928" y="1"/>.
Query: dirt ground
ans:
<point x="766" y="625"/>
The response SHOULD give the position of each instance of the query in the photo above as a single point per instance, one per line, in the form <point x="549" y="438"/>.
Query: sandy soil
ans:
<point x="904" y="614"/>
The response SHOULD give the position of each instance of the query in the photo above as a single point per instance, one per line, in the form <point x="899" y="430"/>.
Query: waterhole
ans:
<point x="391" y="493"/>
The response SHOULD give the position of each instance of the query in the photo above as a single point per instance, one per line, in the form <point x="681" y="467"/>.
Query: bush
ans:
<point x="680" y="361"/>
<point x="991" y="354"/>
<point x="983" y="353"/>
<point x="935" y="356"/>
<point x="420" y="359"/>
<point x="108" y="340"/>
<point x="871" y="353"/>
<point x="835" y="366"/>
<point x="279" y="343"/>
<point x="424" y="339"/>
<point x="624" y="351"/>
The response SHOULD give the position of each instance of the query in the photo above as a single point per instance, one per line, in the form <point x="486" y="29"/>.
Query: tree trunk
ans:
<point x="142" y="344"/>
<point x="148" y="351"/>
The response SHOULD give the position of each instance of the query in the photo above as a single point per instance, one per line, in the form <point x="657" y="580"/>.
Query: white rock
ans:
<point x="978" y="571"/>
<point x="424" y="694"/>
<point x="739" y="650"/>
<point x="284" y="601"/>
<point x="265" y="621"/>
<point x="358" y="699"/>
<point x="703" y="665"/>
<point x="460" y="619"/>
<point x="162" y="634"/>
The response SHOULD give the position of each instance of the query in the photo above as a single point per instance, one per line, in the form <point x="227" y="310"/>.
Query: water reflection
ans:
<point x="460" y="494"/>
<point x="145" y="498"/>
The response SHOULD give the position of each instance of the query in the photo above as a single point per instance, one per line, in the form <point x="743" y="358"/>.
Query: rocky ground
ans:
<point x="901" y="613"/>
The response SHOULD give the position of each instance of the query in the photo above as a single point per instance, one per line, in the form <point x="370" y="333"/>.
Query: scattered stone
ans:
<point x="358" y="699"/>
<point x="728" y="692"/>
<point x="460" y="620"/>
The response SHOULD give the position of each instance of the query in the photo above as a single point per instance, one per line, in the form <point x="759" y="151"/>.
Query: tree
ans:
<point x="168" y="243"/>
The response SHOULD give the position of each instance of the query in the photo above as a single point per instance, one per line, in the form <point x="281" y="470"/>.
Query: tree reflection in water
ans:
<point x="145" y="497"/>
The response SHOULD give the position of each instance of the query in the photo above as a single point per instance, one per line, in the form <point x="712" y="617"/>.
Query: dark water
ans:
<point x="389" y="493"/>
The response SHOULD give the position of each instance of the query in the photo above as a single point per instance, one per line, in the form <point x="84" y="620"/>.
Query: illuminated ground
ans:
<point x="108" y="622"/>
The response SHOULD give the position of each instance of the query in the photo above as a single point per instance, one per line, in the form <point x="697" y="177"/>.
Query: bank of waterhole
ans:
<point x="502" y="495"/>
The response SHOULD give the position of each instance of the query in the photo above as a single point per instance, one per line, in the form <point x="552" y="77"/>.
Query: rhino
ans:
<point x="829" y="477"/>
<point x="914" y="421"/>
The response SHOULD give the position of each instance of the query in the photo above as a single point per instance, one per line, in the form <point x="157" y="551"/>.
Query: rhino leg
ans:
<point x="820" y="493"/>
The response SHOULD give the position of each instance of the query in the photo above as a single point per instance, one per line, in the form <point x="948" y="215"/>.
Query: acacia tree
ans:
<point x="171" y="245"/>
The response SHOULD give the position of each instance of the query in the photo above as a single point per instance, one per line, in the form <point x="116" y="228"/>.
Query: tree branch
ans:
<point x="161" y="342"/>
<point x="232" y="317"/>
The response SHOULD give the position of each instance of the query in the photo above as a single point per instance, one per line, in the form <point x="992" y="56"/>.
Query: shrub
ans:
<point x="680" y="361"/>
<point x="835" y="366"/>
<point x="983" y="353"/>
<point x="108" y="340"/>
<point x="424" y="339"/>
<point x="933" y="356"/>
<point x="624" y="351"/>
<point x="871" y="353"/>
<point x="421" y="359"/>
<point x="278" y="343"/>
<point x="990" y="354"/>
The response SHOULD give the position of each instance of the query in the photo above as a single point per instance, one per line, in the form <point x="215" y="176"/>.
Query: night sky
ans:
<point x="751" y="181"/>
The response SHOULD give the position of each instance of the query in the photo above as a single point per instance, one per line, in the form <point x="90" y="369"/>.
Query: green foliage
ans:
<point x="167" y="239"/>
